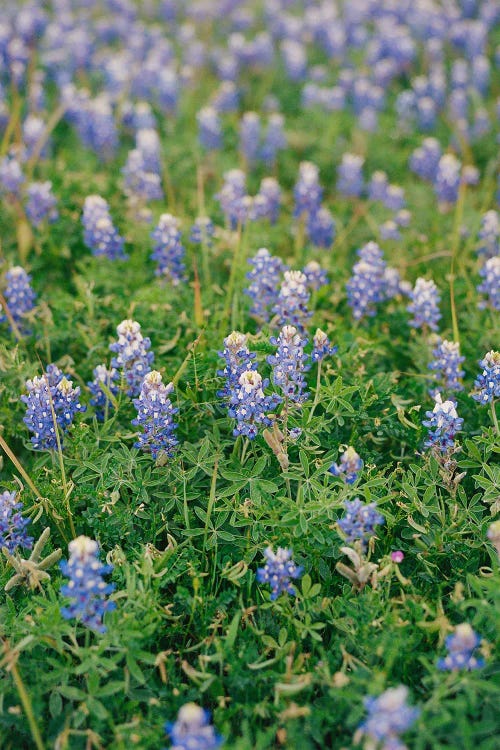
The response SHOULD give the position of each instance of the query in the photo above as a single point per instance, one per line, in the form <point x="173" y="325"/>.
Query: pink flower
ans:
<point x="397" y="556"/>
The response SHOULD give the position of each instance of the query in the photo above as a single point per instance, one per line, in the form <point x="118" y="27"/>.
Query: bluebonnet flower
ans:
<point x="279" y="571"/>
<point x="425" y="299"/>
<point x="481" y="125"/>
<point x="271" y="191"/>
<point x="377" y="186"/>
<point x="322" y="346"/>
<point x="289" y="364"/>
<point x="490" y="285"/>
<point x="393" y="285"/>
<point x="359" y="522"/>
<point x="50" y="396"/>
<point x="140" y="185"/>
<point x="226" y="98"/>
<point x="321" y="228"/>
<point x="264" y="282"/>
<point x="100" y="399"/>
<point x="366" y="286"/>
<point x="254" y="208"/>
<point x="480" y="73"/>
<point x="403" y="218"/>
<point x="11" y="176"/>
<point x="33" y="128"/>
<point x="192" y="730"/>
<point x="155" y="416"/>
<point x="368" y="119"/>
<point x="458" y="107"/>
<point x="274" y="139"/>
<point x="425" y="159"/>
<point x="13" y="534"/>
<point x="350" y="175"/>
<point x="202" y="231"/>
<point x="394" y="198"/>
<point x="238" y="359"/>
<point x="331" y="99"/>
<point x="227" y="66"/>
<point x="446" y="364"/>
<point x="250" y="136"/>
<point x="349" y="466"/>
<point x="231" y="194"/>
<point x="307" y="191"/>
<point x="406" y="109"/>
<point x="389" y="230"/>
<point x="470" y="175"/>
<point x="168" y="250"/>
<point x="426" y="113"/>
<point x="86" y="588"/>
<point x="389" y="715"/>
<point x="460" y="74"/>
<point x="257" y="52"/>
<point x="133" y="358"/>
<point x="489" y="235"/>
<point x="100" y="235"/>
<point x="19" y="296"/>
<point x="295" y="58"/>
<point x="487" y="383"/>
<point x="97" y="127"/>
<point x="249" y="405"/>
<point x="447" y="179"/>
<point x="462" y="646"/>
<point x="365" y="95"/>
<point x="293" y="297"/>
<point x="209" y="128"/>
<point x="148" y="144"/>
<point x="315" y="275"/>
<point x="168" y="87"/>
<point x="442" y="424"/>
<point x="93" y="120"/>
<point x="41" y="203"/>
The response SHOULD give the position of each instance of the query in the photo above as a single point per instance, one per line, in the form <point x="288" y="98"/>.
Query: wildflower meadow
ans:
<point x="249" y="374"/>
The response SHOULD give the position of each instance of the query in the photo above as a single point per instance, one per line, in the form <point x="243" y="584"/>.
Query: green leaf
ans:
<point x="232" y="631"/>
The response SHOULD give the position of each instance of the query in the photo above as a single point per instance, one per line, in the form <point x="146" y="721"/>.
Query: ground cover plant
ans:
<point x="249" y="374"/>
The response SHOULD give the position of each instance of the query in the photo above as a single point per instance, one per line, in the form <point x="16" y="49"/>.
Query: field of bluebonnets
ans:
<point x="249" y="287"/>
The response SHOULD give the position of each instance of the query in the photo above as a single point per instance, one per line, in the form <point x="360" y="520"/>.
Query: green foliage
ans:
<point x="186" y="536"/>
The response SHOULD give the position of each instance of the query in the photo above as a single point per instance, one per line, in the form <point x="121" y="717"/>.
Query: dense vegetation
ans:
<point x="262" y="438"/>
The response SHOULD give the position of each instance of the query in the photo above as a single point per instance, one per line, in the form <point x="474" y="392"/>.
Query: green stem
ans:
<point x="244" y="451"/>
<point x="66" y="490"/>
<point x="44" y="501"/>
<point x="211" y="501"/>
<point x="236" y="446"/>
<point x="28" y="708"/>
<point x="232" y="274"/>
<point x="316" y="395"/>
<point x="299" y="239"/>
<point x="284" y="416"/>
<point x="454" y="249"/>
<point x="185" y="503"/>
<point x="20" y="468"/>
<point x="12" y="322"/>
<point x="494" y="417"/>
<point x="202" y="213"/>
<point x="15" y="112"/>
<point x="56" y="116"/>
